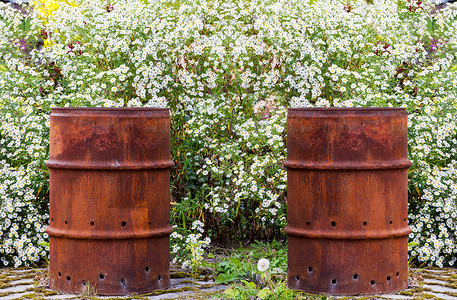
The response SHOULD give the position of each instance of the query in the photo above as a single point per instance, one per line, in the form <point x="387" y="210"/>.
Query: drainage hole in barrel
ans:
<point x="398" y="274"/>
<point x="123" y="281"/>
<point x="66" y="222"/>
<point x="333" y="281"/>
<point x="52" y="219"/>
<point x="159" y="277"/>
<point x="146" y="269"/>
<point x="310" y="269"/>
<point x="390" y="222"/>
<point x="333" y="223"/>
<point x="372" y="282"/>
<point x="308" y="223"/>
<point x="68" y="278"/>
<point x="123" y="223"/>
<point x="365" y="223"/>
<point x="355" y="276"/>
<point x="60" y="274"/>
<point x="101" y="276"/>
<point x="149" y="223"/>
<point x="84" y="282"/>
<point x="297" y="278"/>
<point x="388" y="278"/>
<point x="92" y="223"/>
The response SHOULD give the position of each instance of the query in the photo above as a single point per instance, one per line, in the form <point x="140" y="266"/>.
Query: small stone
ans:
<point x="441" y="296"/>
<point x="429" y="280"/>
<point x="14" y="296"/>
<point x="16" y="288"/>
<point x="58" y="297"/>
<point x="440" y="289"/>
<point x="21" y="281"/>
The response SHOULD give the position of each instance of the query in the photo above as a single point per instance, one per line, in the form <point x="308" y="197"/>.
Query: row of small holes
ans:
<point x="102" y="277"/>
<point x="355" y="277"/>
<point x="333" y="223"/>
<point x="92" y="222"/>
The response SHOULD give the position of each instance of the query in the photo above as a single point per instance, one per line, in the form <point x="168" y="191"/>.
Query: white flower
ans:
<point x="263" y="264"/>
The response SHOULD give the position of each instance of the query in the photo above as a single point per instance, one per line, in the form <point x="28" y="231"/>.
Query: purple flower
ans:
<point x="434" y="44"/>
<point x="22" y="45"/>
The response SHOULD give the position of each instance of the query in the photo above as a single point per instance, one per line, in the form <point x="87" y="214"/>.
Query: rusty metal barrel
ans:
<point x="109" y="172"/>
<point x="347" y="173"/>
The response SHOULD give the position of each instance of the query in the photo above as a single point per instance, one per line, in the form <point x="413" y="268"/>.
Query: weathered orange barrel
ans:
<point x="347" y="172"/>
<point x="109" y="174"/>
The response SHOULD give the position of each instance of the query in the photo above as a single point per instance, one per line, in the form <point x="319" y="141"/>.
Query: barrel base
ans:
<point x="348" y="267"/>
<point x="109" y="267"/>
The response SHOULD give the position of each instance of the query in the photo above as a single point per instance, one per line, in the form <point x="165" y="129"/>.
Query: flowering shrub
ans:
<point x="229" y="70"/>
<point x="433" y="210"/>
<point x="23" y="147"/>
<point x="189" y="244"/>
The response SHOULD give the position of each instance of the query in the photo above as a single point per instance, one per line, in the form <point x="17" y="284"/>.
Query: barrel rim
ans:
<point x="347" y="108"/>
<point x="346" y="112"/>
<point x="105" y="109"/>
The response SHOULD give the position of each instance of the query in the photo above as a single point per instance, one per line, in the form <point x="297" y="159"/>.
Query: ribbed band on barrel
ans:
<point x="347" y="235"/>
<point x="104" y="235"/>
<point x="75" y="165"/>
<point x="352" y="165"/>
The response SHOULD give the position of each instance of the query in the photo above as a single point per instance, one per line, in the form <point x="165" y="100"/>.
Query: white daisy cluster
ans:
<point x="228" y="71"/>
<point x="242" y="178"/>
<point x="188" y="248"/>
<point x="433" y="211"/>
<point x="23" y="217"/>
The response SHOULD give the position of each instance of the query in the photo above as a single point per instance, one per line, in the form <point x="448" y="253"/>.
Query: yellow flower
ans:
<point x="46" y="9"/>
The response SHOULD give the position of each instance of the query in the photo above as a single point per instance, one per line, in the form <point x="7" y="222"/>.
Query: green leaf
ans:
<point x="224" y="278"/>
<point x="248" y="284"/>
<point x="412" y="243"/>
<point x="231" y="293"/>
<point x="263" y="293"/>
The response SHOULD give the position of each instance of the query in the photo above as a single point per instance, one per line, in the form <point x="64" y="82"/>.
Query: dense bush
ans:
<point x="229" y="70"/>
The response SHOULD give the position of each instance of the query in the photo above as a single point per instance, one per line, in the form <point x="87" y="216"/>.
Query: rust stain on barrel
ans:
<point x="109" y="200"/>
<point x="347" y="172"/>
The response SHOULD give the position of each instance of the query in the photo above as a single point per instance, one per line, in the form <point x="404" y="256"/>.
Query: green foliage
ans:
<point x="242" y="264"/>
<point x="232" y="269"/>
<point x="251" y="283"/>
